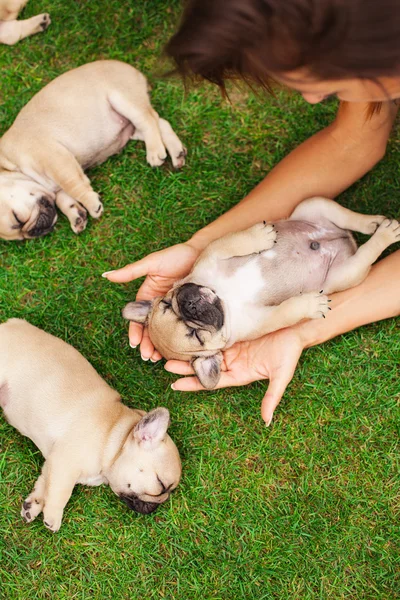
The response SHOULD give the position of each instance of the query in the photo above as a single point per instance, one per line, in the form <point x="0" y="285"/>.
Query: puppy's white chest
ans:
<point x="239" y="290"/>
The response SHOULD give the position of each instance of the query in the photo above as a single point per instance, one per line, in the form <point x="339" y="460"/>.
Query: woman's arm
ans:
<point x="324" y="165"/>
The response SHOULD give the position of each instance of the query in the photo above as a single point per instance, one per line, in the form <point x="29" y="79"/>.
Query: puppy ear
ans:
<point x="152" y="428"/>
<point x="137" y="311"/>
<point x="208" y="369"/>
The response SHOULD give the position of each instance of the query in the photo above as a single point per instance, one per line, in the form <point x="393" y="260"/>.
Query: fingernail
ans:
<point x="173" y="387"/>
<point x="132" y="346"/>
<point x="268" y="423"/>
<point x="106" y="273"/>
<point x="144" y="358"/>
<point x="153" y="361"/>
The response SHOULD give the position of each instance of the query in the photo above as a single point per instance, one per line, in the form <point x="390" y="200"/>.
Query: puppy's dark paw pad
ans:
<point x="98" y="211"/>
<point x="53" y="527"/>
<point x="180" y="159"/>
<point x="26" y="505"/>
<point x="45" y="22"/>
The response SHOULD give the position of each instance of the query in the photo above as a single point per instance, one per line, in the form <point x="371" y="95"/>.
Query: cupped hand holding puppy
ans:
<point x="161" y="269"/>
<point x="273" y="356"/>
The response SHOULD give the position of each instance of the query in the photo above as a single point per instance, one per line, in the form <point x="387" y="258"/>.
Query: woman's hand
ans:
<point x="162" y="269"/>
<point x="274" y="357"/>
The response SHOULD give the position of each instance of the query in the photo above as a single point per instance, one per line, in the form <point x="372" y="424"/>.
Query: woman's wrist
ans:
<point x="199" y="240"/>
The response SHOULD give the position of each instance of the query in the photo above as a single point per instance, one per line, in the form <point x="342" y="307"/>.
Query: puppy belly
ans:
<point x="110" y="148"/>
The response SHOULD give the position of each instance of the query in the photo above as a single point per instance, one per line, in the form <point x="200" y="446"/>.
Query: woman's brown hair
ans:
<point x="255" y="39"/>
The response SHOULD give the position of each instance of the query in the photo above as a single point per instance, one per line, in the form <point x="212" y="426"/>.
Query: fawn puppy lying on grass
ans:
<point x="51" y="394"/>
<point x="75" y="122"/>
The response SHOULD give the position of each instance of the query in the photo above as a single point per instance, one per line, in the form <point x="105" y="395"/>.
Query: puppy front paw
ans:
<point x="40" y="23"/>
<point x="79" y="222"/>
<point x="52" y="519"/>
<point x="156" y="157"/>
<point x="179" y="160"/>
<point x="263" y="236"/>
<point x="31" y="508"/>
<point x="45" y="21"/>
<point x="371" y="223"/>
<point x="316" y="305"/>
<point x="93" y="205"/>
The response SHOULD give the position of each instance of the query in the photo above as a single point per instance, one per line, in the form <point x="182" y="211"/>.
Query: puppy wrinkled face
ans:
<point x="27" y="210"/>
<point x="187" y="322"/>
<point x="149" y="468"/>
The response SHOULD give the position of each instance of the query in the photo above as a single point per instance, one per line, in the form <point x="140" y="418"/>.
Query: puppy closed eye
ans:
<point x="167" y="305"/>
<point x="20" y="223"/>
<point x="195" y="333"/>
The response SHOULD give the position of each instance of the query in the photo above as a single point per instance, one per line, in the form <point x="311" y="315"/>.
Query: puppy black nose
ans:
<point x="139" y="506"/>
<point x="45" y="220"/>
<point x="46" y="204"/>
<point x="196" y="306"/>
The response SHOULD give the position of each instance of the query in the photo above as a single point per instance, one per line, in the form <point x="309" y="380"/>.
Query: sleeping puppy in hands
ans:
<point x="11" y="30"/>
<point x="250" y="283"/>
<point x="75" y="122"/>
<point x="51" y="394"/>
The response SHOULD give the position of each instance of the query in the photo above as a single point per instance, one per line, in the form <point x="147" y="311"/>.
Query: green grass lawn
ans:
<point x="303" y="510"/>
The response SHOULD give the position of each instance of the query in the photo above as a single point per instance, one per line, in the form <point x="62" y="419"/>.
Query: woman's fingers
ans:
<point x="146" y="346"/>
<point x="135" y="334"/>
<point x="275" y="391"/>
<point x="179" y="367"/>
<point x="130" y="272"/>
<point x="192" y="384"/>
<point x="155" y="356"/>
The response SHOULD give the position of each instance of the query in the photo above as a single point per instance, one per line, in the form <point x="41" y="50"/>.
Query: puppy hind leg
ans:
<point x="315" y="209"/>
<point x="12" y="32"/>
<point x="145" y="124"/>
<point x="75" y="212"/>
<point x="355" y="269"/>
<point x="175" y="148"/>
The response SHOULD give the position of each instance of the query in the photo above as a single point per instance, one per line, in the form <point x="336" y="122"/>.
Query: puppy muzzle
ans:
<point x="139" y="506"/>
<point x="45" y="220"/>
<point x="200" y="305"/>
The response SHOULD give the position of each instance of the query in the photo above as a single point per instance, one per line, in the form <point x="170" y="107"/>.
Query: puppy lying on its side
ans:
<point x="51" y="394"/>
<point x="11" y="30"/>
<point x="75" y="122"/>
<point x="265" y="278"/>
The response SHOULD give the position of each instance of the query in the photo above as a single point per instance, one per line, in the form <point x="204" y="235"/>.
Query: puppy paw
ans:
<point x="156" y="156"/>
<point x="316" y="305"/>
<point x="179" y="160"/>
<point x="389" y="231"/>
<point x="40" y="23"/>
<point x="52" y="520"/>
<point x="371" y="224"/>
<point x="263" y="236"/>
<point x="78" y="224"/>
<point x="93" y="205"/>
<point x="31" y="508"/>
<point x="45" y="21"/>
